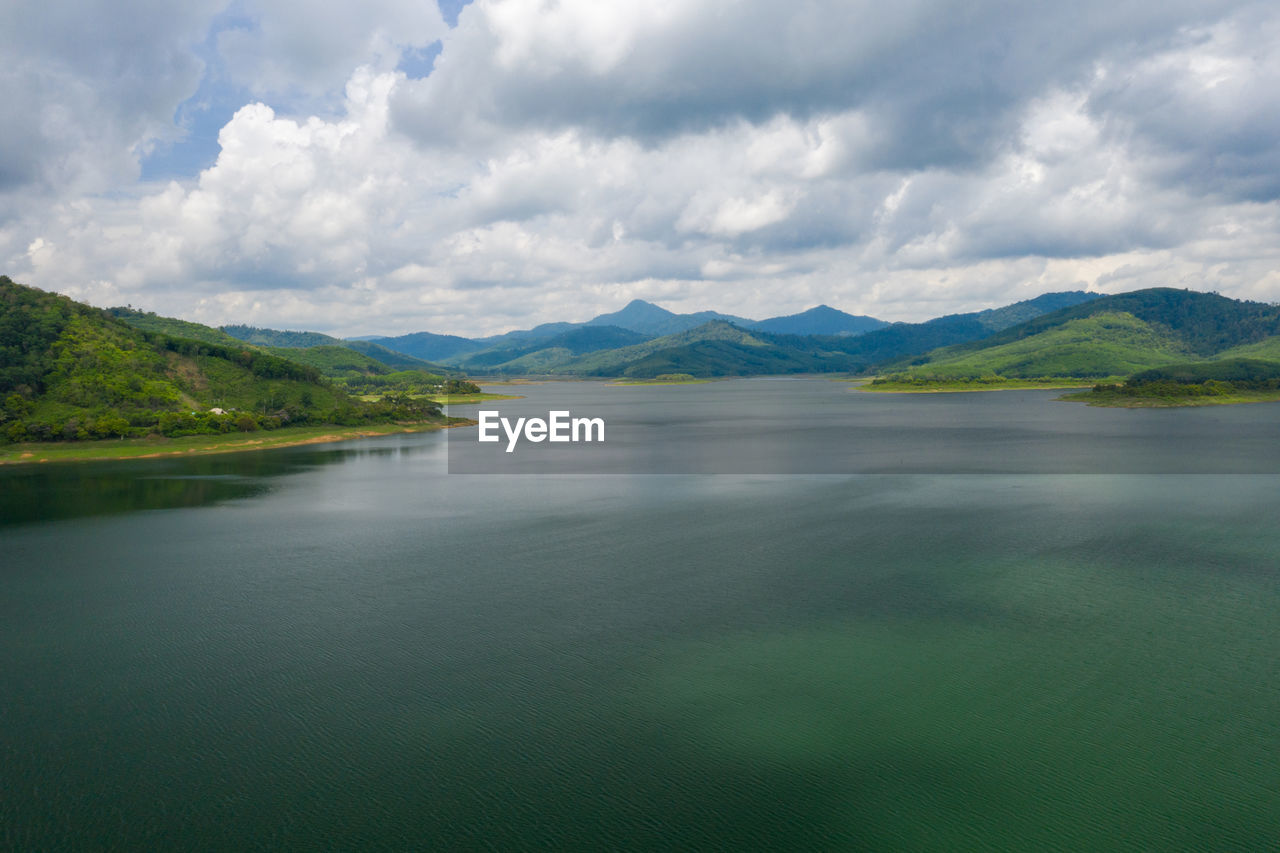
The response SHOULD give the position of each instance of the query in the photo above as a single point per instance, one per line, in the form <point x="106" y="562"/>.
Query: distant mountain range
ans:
<point x="1075" y="334"/>
<point x="644" y="339"/>
<point x="276" y="339"/>
<point x="638" y="317"/>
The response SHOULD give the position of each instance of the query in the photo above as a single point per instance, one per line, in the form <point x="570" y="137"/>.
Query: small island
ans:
<point x="663" y="379"/>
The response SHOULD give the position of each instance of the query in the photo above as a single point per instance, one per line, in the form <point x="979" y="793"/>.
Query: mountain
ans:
<point x="69" y="371"/>
<point x="822" y="320"/>
<point x="716" y="348"/>
<point x="649" y="319"/>
<point x="274" y="338"/>
<point x="1101" y="345"/>
<point x="638" y="316"/>
<point x="898" y="340"/>
<point x="1114" y="336"/>
<point x="431" y="347"/>
<point x="1204" y="322"/>
<point x="396" y="360"/>
<point x="723" y="348"/>
<point x="541" y="354"/>
<point x="537" y="333"/>
<point x="542" y="349"/>
<point x="997" y="319"/>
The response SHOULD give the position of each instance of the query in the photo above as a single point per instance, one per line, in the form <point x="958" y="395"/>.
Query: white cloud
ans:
<point x="564" y="158"/>
<point x="308" y="47"/>
<point x="87" y="89"/>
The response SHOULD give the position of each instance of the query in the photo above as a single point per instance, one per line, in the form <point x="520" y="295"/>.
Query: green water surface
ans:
<point x="347" y="648"/>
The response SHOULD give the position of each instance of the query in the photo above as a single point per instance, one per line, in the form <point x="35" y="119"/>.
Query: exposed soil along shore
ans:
<point x="199" y="445"/>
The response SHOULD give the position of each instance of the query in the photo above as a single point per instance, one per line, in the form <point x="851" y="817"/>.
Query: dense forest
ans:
<point x="1200" y="379"/>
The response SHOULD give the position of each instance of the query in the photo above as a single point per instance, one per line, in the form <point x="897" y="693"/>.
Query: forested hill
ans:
<point x="174" y="328"/>
<point x="1112" y="336"/>
<point x="71" y="371"/>
<point x="277" y="338"/>
<point x="1204" y="323"/>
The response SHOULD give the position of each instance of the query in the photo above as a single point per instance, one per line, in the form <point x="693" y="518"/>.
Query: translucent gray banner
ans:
<point x="822" y="426"/>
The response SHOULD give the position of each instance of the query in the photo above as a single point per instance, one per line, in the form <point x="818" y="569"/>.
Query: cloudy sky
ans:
<point x="393" y="165"/>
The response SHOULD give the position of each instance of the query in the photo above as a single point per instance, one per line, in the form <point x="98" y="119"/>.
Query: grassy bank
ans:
<point x="934" y="386"/>
<point x="1116" y="400"/>
<point x="156" y="446"/>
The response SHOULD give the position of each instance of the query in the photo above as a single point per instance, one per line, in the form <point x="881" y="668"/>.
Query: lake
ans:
<point x="761" y="615"/>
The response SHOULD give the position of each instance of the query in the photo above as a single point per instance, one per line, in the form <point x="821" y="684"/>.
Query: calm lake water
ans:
<point x="1042" y="626"/>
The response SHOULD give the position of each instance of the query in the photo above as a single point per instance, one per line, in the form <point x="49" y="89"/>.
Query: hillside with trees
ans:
<point x="1111" y="336"/>
<point x="69" y="371"/>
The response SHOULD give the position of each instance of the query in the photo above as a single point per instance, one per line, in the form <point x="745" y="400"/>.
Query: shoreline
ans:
<point x="109" y="450"/>
<point x="967" y="388"/>
<point x="452" y="399"/>
<point x="1123" y="401"/>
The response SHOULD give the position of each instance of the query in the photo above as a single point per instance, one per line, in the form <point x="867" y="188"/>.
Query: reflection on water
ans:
<point x="50" y="491"/>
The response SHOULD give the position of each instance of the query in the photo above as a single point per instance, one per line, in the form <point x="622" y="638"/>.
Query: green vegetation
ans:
<point x="1251" y="373"/>
<point x="276" y="338"/>
<point x="365" y="376"/>
<point x="1149" y="336"/>
<point x="397" y="360"/>
<point x="1198" y="323"/>
<point x="707" y="344"/>
<point x="1267" y="349"/>
<point x="1110" y="344"/>
<point x="413" y="383"/>
<point x="358" y="367"/>
<point x="541" y="354"/>
<point x="913" y="384"/>
<point x="1236" y="380"/>
<point x="717" y="348"/>
<point x="151" y="322"/>
<point x="334" y="362"/>
<point x="664" y="379"/>
<point x="478" y="397"/>
<point x="70" y="372"/>
<point x="425" y="345"/>
<point x="302" y="342"/>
